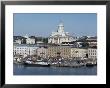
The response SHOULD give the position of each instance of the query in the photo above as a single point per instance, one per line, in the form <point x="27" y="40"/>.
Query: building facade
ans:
<point x="92" y="53"/>
<point x="60" y="36"/>
<point x="42" y="52"/>
<point x="24" y="49"/>
<point x="79" y="52"/>
<point x="63" y="51"/>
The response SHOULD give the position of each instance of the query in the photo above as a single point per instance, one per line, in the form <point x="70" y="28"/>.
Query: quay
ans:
<point x="57" y="62"/>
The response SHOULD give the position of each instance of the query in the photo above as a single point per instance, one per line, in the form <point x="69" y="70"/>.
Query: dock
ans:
<point x="57" y="62"/>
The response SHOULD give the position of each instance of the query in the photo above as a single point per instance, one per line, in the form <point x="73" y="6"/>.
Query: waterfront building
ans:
<point x="63" y="51"/>
<point x="92" y="53"/>
<point x="79" y="52"/>
<point x="42" y="52"/>
<point x="24" y="49"/>
<point x="60" y="36"/>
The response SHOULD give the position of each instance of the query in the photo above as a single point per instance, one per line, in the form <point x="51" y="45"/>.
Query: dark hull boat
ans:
<point x="89" y="65"/>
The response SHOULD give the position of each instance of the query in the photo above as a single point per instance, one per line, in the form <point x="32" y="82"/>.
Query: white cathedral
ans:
<point x="60" y="36"/>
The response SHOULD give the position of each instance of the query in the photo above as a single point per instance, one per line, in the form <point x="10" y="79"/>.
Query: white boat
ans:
<point x="31" y="63"/>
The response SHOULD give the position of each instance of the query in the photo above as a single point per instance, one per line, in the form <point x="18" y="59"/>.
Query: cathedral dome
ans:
<point x="60" y="36"/>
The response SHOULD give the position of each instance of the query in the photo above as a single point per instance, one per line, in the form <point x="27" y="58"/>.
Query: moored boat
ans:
<point x="89" y="65"/>
<point x="37" y="64"/>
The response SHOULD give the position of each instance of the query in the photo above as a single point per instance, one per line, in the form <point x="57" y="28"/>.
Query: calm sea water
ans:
<point x="22" y="70"/>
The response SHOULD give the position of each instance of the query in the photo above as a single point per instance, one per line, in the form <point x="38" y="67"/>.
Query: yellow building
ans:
<point x="63" y="51"/>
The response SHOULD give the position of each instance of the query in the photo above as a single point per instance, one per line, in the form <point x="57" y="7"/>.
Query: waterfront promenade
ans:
<point x="58" y="61"/>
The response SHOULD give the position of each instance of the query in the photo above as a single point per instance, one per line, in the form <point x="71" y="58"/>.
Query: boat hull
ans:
<point x="89" y="65"/>
<point x="36" y="65"/>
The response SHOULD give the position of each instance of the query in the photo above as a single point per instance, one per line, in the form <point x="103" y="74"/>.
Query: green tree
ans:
<point x="85" y="44"/>
<point x="45" y="40"/>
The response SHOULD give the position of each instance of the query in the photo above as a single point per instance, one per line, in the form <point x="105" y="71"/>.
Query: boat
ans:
<point x="37" y="64"/>
<point x="89" y="65"/>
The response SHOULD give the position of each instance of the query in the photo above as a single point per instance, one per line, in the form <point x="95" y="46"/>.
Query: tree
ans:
<point x="38" y="38"/>
<point x="85" y="44"/>
<point x="45" y="40"/>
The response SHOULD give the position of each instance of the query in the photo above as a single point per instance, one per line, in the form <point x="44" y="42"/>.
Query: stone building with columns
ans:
<point x="60" y="36"/>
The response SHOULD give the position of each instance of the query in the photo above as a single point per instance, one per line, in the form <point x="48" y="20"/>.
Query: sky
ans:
<point x="42" y="24"/>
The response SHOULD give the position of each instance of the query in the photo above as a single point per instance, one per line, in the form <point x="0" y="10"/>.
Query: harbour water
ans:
<point x="23" y="70"/>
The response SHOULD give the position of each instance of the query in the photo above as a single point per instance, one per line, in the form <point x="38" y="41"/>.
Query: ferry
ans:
<point x="37" y="64"/>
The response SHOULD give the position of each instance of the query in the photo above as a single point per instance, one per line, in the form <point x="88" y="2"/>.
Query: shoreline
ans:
<point x="56" y="65"/>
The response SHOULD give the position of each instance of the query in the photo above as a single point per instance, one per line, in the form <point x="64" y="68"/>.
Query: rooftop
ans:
<point x="26" y="45"/>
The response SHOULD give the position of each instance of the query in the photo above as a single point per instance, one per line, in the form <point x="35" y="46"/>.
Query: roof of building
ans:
<point x="94" y="37"/>
<point x="26" y="45"/>
<point x="69" y="42"/>
<point x="93" y="47"/>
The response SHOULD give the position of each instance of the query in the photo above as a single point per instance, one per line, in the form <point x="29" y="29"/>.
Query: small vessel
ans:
<point x="89" y="64"/>
<point x="37" y="64"/>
